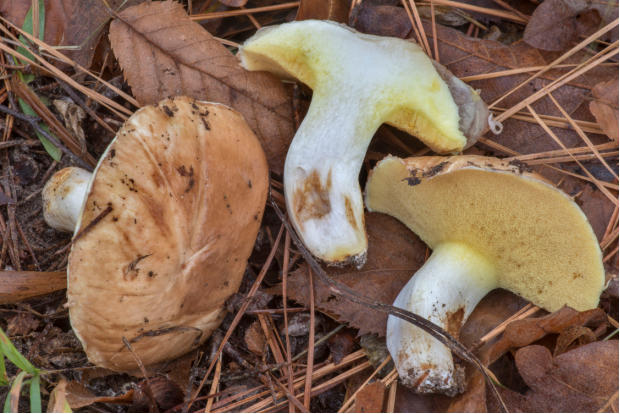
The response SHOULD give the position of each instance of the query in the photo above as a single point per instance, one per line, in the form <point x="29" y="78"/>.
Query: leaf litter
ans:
<point x="566" y="341"/>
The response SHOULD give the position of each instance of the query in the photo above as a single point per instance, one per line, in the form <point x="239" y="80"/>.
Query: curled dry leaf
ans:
<point x="556" y="24"/>
<point x="580" y="381"/>
<point x="370" y="398"/>
<point x="523" y="332"/>
<point x="18" y="286"/>
<point x="394" y="254"/>
<point x="68" y="23"/>
<point x="605" y="107"/>
<point x="163" y="54"/>
<point x="335" y="10"/>
<point x="79" y="396"/>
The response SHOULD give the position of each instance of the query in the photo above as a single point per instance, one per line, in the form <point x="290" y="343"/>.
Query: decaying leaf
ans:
<point x="342" y="344"/>
<point x="383" y="21"/>
<point x="523" y="332"/>
<point x="168" y="394"/>
<point x="79" y="396"/>
<point x="163" y="54"/>
<point x="395" y="253"/>
<point x="18" y="286"/>
<point x="73" y="115"/>
<point x="556" y="24"/>
<point x="255" y="338"/>
<point x="605" y="107"/>
<point x="68" y="22"/>
<point x="335" y="10"/>
<point x="21" y="324"/>
<point x="581" y="380"/>
<point x="370" y="398"/>
<point x="474" y="398"/>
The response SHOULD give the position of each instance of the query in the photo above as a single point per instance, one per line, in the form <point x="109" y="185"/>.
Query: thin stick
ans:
<point x="34" y="258"/>
<point x="511" y="72"/>
<point x="276" y="311"/>
<point x="612" y="221"/>
<point x="287" y="247"/>
<point x="392" y="397"/>
<point x="86" y="229"/>
<point x="352" y="399"/>
<point x="310" y="363"/>
<point x="413" y="25"/>
<point x="574" y="150"/>
<point x="245" y="305"/>
<point x="610" y="255"/>
<point x="216" y="381"/>
<point x="609" y="402"/>
<point x="525" y="312"/>
<point x="252" y="19"/>
<point x="149" y="391"/>
<point x="219" y="15"/>
<point x="512" y="9"/>
<point x="320" y="341"/>
<point x="490" y="12"/>
<point x="435" y="48"/>
<point x="416" y="15"/>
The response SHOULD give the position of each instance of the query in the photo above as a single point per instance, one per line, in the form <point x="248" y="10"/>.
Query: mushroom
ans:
<point x="491" y="224"/>
<point x="359" y="82"/>
<point x="187" y="183"/>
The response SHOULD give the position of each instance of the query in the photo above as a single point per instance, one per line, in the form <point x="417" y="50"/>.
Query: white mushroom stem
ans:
<point x="63" y="197"/>
<point x="445" y="291"/>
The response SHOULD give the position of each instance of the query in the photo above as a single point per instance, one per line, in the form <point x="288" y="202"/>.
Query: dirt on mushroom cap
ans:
<point x="187" y="182"/>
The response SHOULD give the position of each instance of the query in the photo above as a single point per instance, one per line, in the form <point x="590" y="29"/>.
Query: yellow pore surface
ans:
<point x="538" y="239"/>
<point x="395" y="79"/>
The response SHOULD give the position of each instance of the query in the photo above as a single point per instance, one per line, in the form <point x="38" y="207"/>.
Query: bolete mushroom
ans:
<point x="359" y="82"/>
<point x="187" y="183"/>
<point x="490" y="224"/>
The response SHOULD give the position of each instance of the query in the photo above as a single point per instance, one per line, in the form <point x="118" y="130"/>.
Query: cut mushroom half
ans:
<point x="359" y="82"/>
<point x="187" y="183"/>
<point x="491" y="225"/>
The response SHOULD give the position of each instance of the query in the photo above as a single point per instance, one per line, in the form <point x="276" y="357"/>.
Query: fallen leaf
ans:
<point x="569" y="335"/>
<point x="581" y="380"/>
<point x="163" y="53"/>
<point x="21" y="324"/>
<point x="376" y="351"/>
<point x="556" y="24"/>
<point x="383" y="21"/>
<point x="167" y="393"/>
<point x="68" y="23"/>
<point x="18" y="286"/>
<point x="395" y="253"/>
<point x="299" y="324"/>
<point x="73" y="115"/>
<point x="523" y="332"/>
<point x="409" y="401"/>
<point x="370" y="398"/>
<point x="597" y="207"/>
<point x="255" y="338"/>
<point x="79" y="396"/>
<point x="335" y="10"/>
<point x="474" y="399"/>
<point x="342" y="344"/>
<point x="465" y="56"/>
<point x="605" y="107"/>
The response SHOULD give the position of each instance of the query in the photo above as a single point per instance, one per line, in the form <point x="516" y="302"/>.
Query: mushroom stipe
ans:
<point x="416" y="320"/>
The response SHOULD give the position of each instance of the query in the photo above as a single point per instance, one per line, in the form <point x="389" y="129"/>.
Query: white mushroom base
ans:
<point x="445" y="291"/>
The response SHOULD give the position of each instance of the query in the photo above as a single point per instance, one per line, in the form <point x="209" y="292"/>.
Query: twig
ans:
<point x="427" y="326"/>
<point x="436" y="49"/>
<point x="86" y="229"/>
<point x="85" y="107"/>
<point x="287" y="247"/>
<point x="310" y="363"/>
<point x="149" y="391"/>
<point x="219" y="15"/>
<point x="276" y="311"/>
<point x="33" y="121"/>
<point x="34" y="258"/>
<point x="214" y="385"/>
<point x="392" y="397"/>
<point x="354" y="396"/>
<point x="320" y="341"/>
<point x="609" y="402"/>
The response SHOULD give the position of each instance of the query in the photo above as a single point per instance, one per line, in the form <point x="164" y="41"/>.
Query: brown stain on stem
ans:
<point x="349" y="212"/>
<point x="454" y="322"/>
<point x="311" y="198"/>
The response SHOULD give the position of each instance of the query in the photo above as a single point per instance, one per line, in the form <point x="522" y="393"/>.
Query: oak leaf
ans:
<point x="605" y="107"/>
<point x="163" y="53"/>
<point x="335" y="10"/>
<point x="395" y="253"/>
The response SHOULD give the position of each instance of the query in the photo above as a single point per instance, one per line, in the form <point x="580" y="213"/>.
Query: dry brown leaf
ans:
<point x="21" y="324"/>
<point x="465" y="56"/>
<point x="580" y="381"/>
<point x="68" y="22"/>
<point x="18" y="286"/>
<point x="569" y="335"/>
<point x="255" y="338"/>
<point x="370" y="398"/>
<point x="335" y="10"/>
<point x="474" y="399"/>
<point x="605" y="107"/>
<point x="79" y="396"/>
<point x="597" y="208"/>
<point x="395" y="253"/>
<point x="523" y="332"/>
<point x="163" y="54"/>
<point x="167" y="393"/>
<point x="556" y="24"/>
<point x="342" y="344"/>
<point x="383" y="21"/>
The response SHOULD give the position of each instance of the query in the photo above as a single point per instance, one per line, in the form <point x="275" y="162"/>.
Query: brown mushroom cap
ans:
<point x="187" y="182"/>
<point x="538" y="239"/>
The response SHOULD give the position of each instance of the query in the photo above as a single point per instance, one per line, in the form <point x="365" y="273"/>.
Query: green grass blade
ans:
<point x="4" y="380"/>
<point x="49" y="147"/>
<point x="14" y="356"/>
<point x="27" y="27"/>
<point x="13" y="397"/>
<point x="35" y="394"/>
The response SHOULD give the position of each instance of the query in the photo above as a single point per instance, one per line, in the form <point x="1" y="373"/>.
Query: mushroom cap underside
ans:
<point x="187" y="182"/>
<point x="538" y="239"/>
<point x="402" y="86"/>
